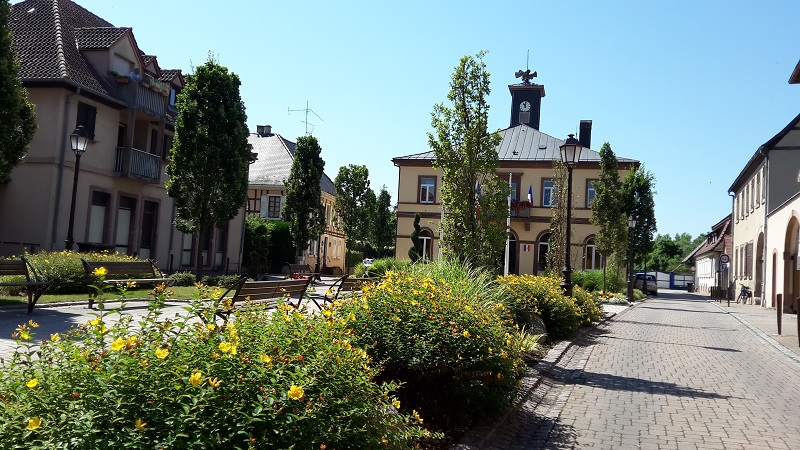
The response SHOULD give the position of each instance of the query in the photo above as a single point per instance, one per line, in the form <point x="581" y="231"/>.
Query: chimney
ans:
<point x="585" y="134"/>
<point x="264" y="130"/>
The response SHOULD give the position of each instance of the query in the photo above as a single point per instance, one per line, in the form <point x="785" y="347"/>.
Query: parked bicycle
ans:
<point x="744" y="294"/>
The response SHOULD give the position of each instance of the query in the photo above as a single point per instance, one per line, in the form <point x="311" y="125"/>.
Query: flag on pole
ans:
<point x="530" y="194"/>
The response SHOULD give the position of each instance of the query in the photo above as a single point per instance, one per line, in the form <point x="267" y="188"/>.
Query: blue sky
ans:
<point x="690" y="88"/>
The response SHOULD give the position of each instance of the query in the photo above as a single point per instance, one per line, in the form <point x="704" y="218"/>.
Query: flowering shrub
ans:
<point x="380" y="266"/>
<point x="280" y="380"/>
<point x="588" y="304"/>
<point x="529" y="294"/>
<point x="63" y="270"/>
<point x="437" y="329"/>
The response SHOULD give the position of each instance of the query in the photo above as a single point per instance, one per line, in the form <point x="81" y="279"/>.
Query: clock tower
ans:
<point x="526" y="100"/>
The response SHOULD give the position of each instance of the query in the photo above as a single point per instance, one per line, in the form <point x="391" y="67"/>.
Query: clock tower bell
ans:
<point x="526" y="100"/>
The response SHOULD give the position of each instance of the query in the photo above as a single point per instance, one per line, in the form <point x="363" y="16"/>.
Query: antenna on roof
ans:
<point x="306" y="110"/>
<point x="528" y="60"/>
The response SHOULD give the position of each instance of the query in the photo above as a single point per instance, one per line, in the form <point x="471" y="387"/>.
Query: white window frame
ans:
<point x="427" y="191"/>
<point x="549" y="199"/>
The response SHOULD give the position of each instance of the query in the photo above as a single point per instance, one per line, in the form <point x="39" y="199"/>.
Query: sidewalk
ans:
<point x="764" y="322"/>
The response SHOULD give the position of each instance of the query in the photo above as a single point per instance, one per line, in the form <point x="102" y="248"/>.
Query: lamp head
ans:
<point x="78" y="140"/>
<point x="571" y="151"/>
<point x="631" y="222"/>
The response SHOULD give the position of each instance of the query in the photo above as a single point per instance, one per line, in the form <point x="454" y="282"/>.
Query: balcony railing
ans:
<point x="144" y="98"/>
<point x="520" y="213"/>
<point x="142" y="165"/>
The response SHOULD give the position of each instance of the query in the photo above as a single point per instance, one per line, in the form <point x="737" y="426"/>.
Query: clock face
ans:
<point x="525" y="106"/>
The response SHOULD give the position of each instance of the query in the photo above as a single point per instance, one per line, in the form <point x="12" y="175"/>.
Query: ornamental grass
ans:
<point x="266" y="380"/>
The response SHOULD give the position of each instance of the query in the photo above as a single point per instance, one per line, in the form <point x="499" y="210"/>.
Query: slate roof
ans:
<point x="275" y="158"/>
<point x="46" y="41"/>
<point x="530" y="145"/>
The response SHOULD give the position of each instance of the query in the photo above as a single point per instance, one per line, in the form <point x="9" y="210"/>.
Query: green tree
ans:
<point x="383" y="223"/>
<point x="208" y="165"/>
<point x="415" y="252"/>
<point x="474" y="227"/>
<point x="558" y="222"/>
<point x="608" y="212"/>
<point x="639" y="204"/>
<point x="668" y="252"/>
<point x="17" y="118"/>
<point x="255" y="255"/>
<point x="353" y="202"/>
<point x="303" y="208"/>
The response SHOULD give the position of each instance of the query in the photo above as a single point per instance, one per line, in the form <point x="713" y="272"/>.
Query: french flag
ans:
<point x="530" y="193"/>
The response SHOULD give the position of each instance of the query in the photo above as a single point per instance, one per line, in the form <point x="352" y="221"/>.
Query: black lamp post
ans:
<point x="78" y="141"/>
<point x="570" y="154"/>
<point x="631" y="226"/>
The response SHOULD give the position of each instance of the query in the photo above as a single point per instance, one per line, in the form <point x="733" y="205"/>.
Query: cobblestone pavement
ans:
<point x="674" y="372"/>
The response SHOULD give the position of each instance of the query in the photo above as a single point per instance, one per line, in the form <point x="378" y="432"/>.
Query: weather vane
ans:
<point x="526" y="75"/>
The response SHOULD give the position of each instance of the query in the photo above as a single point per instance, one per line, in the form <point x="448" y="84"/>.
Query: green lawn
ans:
<point x="181" y="293"/>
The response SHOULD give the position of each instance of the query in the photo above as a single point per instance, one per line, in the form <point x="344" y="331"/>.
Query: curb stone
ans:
<point x="477" y="437"/>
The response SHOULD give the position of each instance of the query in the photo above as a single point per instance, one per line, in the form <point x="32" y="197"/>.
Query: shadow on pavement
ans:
<point x="634" y="322"/>
<point x="722" y="349"/>
<point x="620" y="383"/>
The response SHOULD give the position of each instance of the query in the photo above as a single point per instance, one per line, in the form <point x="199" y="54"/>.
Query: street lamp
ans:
<point x="631" y="226"/>
<point x="570" y="154"/>
<point x="78" y="141"/>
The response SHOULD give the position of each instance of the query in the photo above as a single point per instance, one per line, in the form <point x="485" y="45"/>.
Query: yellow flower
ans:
<point x="24" y="335"/>
<point x="32" y="383"/>
<point x="416" y="415"/>
<point x="396" y="403"/>
<point x="100" y="272"/>
<point x="296" y="393"/>
<point x="227" y="347"/>
<point x="466" y="334"/>
<point x="266" y="359"/>
<point x="33" y="324"/>
<point x="140" y="424"/>
<point x="55" y="337"/>
<point x="131" y="341"/>
<point x="215" y="382"/>
<point x="104" y="329"/>
<point x="161" y="353"/>
<point x="118" y="344"/>
<point x="211" y="326"/>
<point x="196" y="379"/>
<point x="34" y="424"/>
<point x="94" y="322"/>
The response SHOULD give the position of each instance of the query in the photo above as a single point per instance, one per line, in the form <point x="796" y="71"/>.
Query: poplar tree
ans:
<point x="608" y="211"/>
<point x="638" y="199"/>
<point x="474" y="225"/>
<point x="303" y="208"/>
<point x="352" y="202"/>
<point x="17" y="118"/>
<point x="383" y="223"/>
<point x="208" y="166"/>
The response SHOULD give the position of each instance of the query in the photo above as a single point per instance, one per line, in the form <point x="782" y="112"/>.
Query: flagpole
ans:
<point x="508" y="226"/>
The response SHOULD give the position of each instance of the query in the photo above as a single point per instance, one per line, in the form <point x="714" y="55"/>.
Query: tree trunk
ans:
<point x="198" y="265"/>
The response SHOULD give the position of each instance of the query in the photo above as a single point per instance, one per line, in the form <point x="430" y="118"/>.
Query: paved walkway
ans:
<point x="674" y="372"/>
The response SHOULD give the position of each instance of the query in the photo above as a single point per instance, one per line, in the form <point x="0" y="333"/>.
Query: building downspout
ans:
<point x="61" y="167"/>
<point x="731" y="273"/>
<point x="766" y="204"/>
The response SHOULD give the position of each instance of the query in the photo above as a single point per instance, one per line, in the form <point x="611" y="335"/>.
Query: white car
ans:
<point x="368" y="262"/>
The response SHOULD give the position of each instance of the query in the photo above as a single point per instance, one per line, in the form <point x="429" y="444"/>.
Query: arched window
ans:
<point x="592" y="260"/>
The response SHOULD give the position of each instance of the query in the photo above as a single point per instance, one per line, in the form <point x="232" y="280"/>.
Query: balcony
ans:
<point x="144" y="98"/>
<point x="520" y="209"/>
<point x="138" y="164"/>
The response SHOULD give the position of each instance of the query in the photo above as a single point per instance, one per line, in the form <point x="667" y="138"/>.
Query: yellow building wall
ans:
<point x="527" y="231"/>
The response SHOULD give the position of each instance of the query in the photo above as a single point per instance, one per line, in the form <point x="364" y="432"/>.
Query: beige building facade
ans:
<point x="267" y="194"/>
<point x="526" y="157"/>
<point x="81" y="70"/>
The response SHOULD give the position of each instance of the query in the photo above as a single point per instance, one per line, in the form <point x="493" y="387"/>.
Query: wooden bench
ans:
<point x="120" y="272"/>
<point x="268" y="293"/>
<point x="33" y="285"/>
<point x="303" y="269"/>
<point x="345" y="284"/>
